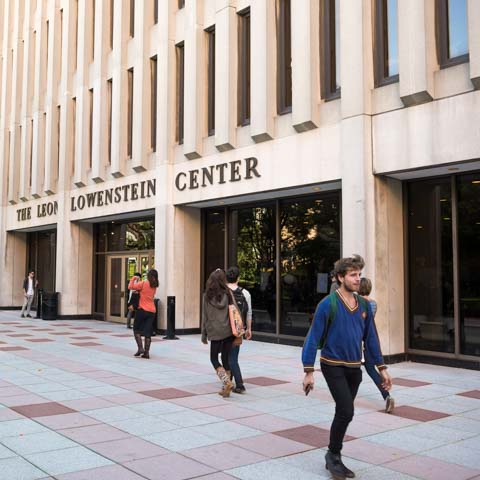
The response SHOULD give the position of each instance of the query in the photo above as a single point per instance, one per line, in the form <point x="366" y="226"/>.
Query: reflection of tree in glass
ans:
<point x="140" y="235"/>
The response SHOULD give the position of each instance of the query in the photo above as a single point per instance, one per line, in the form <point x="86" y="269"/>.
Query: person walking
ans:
<point x="29" y="286"/>
<point x="364" y="290"/>
<point x="244" y="301"/>
<point x="216" y="327"/>
<point x="342" y="321"/>
<point x="132" y="303"/>
<point x="145" y="315"/>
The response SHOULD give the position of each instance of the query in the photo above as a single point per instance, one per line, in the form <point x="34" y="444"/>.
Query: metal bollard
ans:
<point x="39" y="303"/>
<point x="170" y="319"/>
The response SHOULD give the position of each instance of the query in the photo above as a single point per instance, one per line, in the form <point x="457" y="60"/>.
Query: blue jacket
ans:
<point x="343" y="345"/>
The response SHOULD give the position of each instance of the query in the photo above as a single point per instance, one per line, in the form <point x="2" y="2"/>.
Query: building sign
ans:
<point x="46" y="209"/>
<point x="109" y="196"/>
<point x="234" y="171"/>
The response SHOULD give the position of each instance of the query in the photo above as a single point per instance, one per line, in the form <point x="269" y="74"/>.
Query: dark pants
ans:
<point x="375" y="376"/>
<point x="222" y="348"/>
<point x="343" y="383"/>
<point x="235" y="367"/>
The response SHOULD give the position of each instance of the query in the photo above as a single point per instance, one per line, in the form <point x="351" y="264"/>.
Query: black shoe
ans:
<point x="139" y="352"/>
<point x="146" y="355"/>
<point x="22" y="315"/>
<point x="29" y="316"/>
<point x="336" y="467"/>
<point x="239" y="389"/>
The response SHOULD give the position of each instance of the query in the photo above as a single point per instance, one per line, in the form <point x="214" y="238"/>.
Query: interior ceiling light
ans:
<point x="475" y="181"/>
<point x="453" y="169"/>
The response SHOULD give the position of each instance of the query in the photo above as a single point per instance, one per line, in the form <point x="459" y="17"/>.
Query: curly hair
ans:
<point x="344" y="265"/>
<point x="216" y="285"/>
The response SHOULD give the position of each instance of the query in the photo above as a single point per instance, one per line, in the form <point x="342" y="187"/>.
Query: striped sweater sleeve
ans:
<point x="310" y="346"/>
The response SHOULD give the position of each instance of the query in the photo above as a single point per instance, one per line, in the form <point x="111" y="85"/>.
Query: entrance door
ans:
<point x="120" y="269"/>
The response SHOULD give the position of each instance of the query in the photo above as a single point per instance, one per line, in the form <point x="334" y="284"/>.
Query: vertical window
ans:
<point x="93" y="29"/>
<point x="109" y="126"/>
<point x="90" y="125"/>
<point x="75" y="5"/>
<point x="452" y="32"/>
<point x="244" y="67"/>
<point x="181" y="4"/>
<point x="130" y="114"/>
<point x="180" y="90"/>
<point x="155" y="11"/>
<point x="386" y="42"/>
<point x="284" y="57"/>
<point x="211" y="80"/>
<point x="153" y="103"/>
<point x="47" y="42"/>
<point x="74" y="131"/>
<point x="132" y="18"/>
<point x="111" y="11"/>
<point x="330" y="49"/>
<point x="30" y="140"/>
<point x="59" y="111"/>
<point x="61" y="37"/>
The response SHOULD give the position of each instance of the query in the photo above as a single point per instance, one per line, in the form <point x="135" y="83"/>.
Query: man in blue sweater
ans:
<point x="341" y="323"/>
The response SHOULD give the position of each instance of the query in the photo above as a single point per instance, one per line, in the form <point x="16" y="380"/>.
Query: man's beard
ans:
<point x="348" y="289"/>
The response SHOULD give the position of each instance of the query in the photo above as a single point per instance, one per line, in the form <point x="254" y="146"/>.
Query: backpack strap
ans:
<point x="330" y="319"/>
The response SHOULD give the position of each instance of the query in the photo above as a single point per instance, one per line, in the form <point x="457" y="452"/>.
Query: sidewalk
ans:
<point x="76" y="405"/>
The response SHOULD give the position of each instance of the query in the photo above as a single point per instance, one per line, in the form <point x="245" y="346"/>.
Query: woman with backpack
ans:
<point x="145" y="315"/>
<point x="216" y="327"/>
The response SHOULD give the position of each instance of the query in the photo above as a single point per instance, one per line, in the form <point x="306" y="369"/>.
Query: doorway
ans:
<point x="120" y="269"/>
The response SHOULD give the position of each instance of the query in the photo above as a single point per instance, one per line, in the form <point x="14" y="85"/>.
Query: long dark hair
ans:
<point x="152" y="277"/>
<point x="216" y="285"/>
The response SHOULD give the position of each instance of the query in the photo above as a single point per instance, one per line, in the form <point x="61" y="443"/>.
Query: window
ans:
<point x="330" y="49"/>
<point x="452" y="32"/>
<point x="74" y="130"/>
<point x="386" y="42"/>
<point x="90" y="125"/>
<point x="75" y="5"/>
<point x="181" y="4"/>
<point x="284" y="57"/>
<point x="211" y="80"/>
<point x="111" y="13"/>
<point x="132" y="18"/>
<point x="130" y="114"/>
<point x="180" y="90"/>
<point x="58" y="137"/>
<point x="153" y="103"/>
<point x="109" y="127"/>
<point x="60" y="34"/>
<point x="30" y="142"/>
<point x="244" y="67"/>
<point x="155" y="11"/>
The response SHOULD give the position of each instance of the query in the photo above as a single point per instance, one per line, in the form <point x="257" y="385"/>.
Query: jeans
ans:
<point x="235" y="367"/>
<point x="377" y="379"/>
<point x="221" y="347"/>
<point x="27" y="304"/>
<point x="343" y="383"/>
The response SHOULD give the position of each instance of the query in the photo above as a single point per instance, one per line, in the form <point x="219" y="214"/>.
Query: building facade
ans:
<point x="276" y="135"/>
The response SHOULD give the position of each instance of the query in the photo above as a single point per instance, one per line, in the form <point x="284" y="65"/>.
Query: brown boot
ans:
<point x="138" y="339"/>
<point x="227" y="383"/>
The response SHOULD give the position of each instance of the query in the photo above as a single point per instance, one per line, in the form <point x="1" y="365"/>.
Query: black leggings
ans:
<point x="222" y="347"/>
<point x="343" y="383"/>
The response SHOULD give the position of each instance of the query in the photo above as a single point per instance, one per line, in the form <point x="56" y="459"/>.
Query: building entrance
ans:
<point x="120" y="269"/>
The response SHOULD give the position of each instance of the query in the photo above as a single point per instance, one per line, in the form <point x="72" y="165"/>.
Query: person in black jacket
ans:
<point x="29" y="286"/>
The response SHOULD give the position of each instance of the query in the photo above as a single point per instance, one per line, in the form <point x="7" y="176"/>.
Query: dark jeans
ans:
<point x="377" y="379"/>
<point x="343" y="383"/>
<point x="222" y="348"/>
<point x="235" y="367"/>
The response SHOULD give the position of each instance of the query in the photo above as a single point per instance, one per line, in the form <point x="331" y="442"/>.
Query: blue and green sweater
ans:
<point x="343" y="344"/>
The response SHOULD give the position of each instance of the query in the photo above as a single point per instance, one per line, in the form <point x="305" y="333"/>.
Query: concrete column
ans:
<point x="474" y="41"/>
<point x="141" y="87"/>
<point x="305" y="65"/>
<point x="194" y="96"/>
<point x="415" y="51"/>
<point x="225" y="74"/>
<point x="100" y="114"/>
<point x="389" y="258"/>
<point x="51" y="128"/>
<point x="12" y="266"/>
<point x="262" y="70"/>
<point x="119" y="88"/>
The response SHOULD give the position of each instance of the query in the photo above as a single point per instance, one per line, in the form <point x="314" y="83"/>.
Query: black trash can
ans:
<point x="49" y="305"/>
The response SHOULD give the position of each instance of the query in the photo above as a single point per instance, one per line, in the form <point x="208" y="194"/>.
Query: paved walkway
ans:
<point x="75" y="405"/>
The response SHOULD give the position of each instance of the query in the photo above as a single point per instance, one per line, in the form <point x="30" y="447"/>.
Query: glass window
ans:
<point x="431" y="313"/>
<point x="211" y="80"/>
<point x="244" y="67"/>
<point x="310" y="244"/>
<point x="468" y="190"/>
<point x="252" y="247"/>
<point x="42" y="256"/>
<point x="100" y="282"/>
<point x="330" y="49"/>
<point x="452" y="32"/>
<point x="180" y="91"/>
<point x="124" y="236"/>
<point x="214" y="240"/>
<point x="386" y="42"/>
<point x="284" y="57"/>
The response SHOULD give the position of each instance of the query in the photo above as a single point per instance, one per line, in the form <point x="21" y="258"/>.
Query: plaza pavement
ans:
<point x="76" y="405"/>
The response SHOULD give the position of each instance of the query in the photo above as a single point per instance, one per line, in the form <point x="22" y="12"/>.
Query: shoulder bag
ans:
<point x="236" y="321"/>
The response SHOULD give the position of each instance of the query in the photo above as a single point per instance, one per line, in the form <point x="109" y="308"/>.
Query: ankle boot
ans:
<point x="140" y="350"/>
<point x="334" y="464"/>
<point x="227" y="383"/>
<point x="148" y="342"/>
